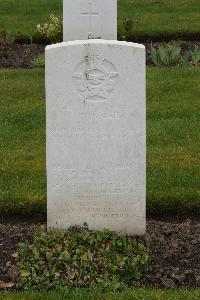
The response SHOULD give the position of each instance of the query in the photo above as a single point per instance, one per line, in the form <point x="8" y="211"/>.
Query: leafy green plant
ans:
<point x="80" y="258"/>
<point x="166" y="55"/>
<point x="51" y="30"/>
<point x="39" y="62"/>
<point x="195" y="56"/>
<point x="185" y="59"/>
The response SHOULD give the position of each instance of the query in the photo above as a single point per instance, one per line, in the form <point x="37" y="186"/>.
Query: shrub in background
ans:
<point x="51" y="30"/>
<point x="80" y="258"/>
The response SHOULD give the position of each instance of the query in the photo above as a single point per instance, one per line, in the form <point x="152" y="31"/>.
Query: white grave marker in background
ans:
<point x="89" y="19"/>
<point x="96" y="135"/>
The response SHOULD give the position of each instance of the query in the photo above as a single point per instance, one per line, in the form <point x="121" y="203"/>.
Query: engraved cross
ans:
<point x="90" y="14"/>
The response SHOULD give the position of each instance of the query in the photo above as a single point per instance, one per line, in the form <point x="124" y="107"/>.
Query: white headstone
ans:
<point x="89" y="19"/>
<point x="96" y="136"/>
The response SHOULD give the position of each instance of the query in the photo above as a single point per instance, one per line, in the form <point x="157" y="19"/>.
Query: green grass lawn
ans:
<point x="22" y="141"/>
<point x="149" y="17"/>
<point x="173" y="143"/>
<point x="128" y="295"/>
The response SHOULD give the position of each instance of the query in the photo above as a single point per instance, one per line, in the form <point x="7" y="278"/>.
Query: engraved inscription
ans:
<point x="90" y="16"/>
<point x="95" y="78"/>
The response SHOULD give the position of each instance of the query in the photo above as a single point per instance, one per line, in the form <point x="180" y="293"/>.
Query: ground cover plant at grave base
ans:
<point x="195" y="56"/>
<point x="137" y="19"/>
<point x="169" y="55"/>
<point x="84" y="294"/>
<point x="39" y="62"/>
<point x="172" y="142"/>
<point x="81" y="258"/>
<point x="173" y="247"/>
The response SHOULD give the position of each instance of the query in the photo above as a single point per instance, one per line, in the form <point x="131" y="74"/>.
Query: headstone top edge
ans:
<point x="95" y="42"/>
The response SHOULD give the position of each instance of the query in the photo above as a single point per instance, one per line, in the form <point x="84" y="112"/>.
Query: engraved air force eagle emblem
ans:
<point x="95" y="78"/>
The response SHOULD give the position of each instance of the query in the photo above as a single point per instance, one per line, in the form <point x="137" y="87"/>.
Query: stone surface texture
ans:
<point x="96" y="135"/>
<point x="89" y="19"/>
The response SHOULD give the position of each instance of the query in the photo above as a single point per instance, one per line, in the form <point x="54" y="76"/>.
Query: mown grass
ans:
<point x="159" y="19"/>
<point x="155" y="18"/>
<point x="173" y="142"/>
<point x="140" y="294"/>
<point x="22" y="141"/>
<point x="173" y="120"/>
